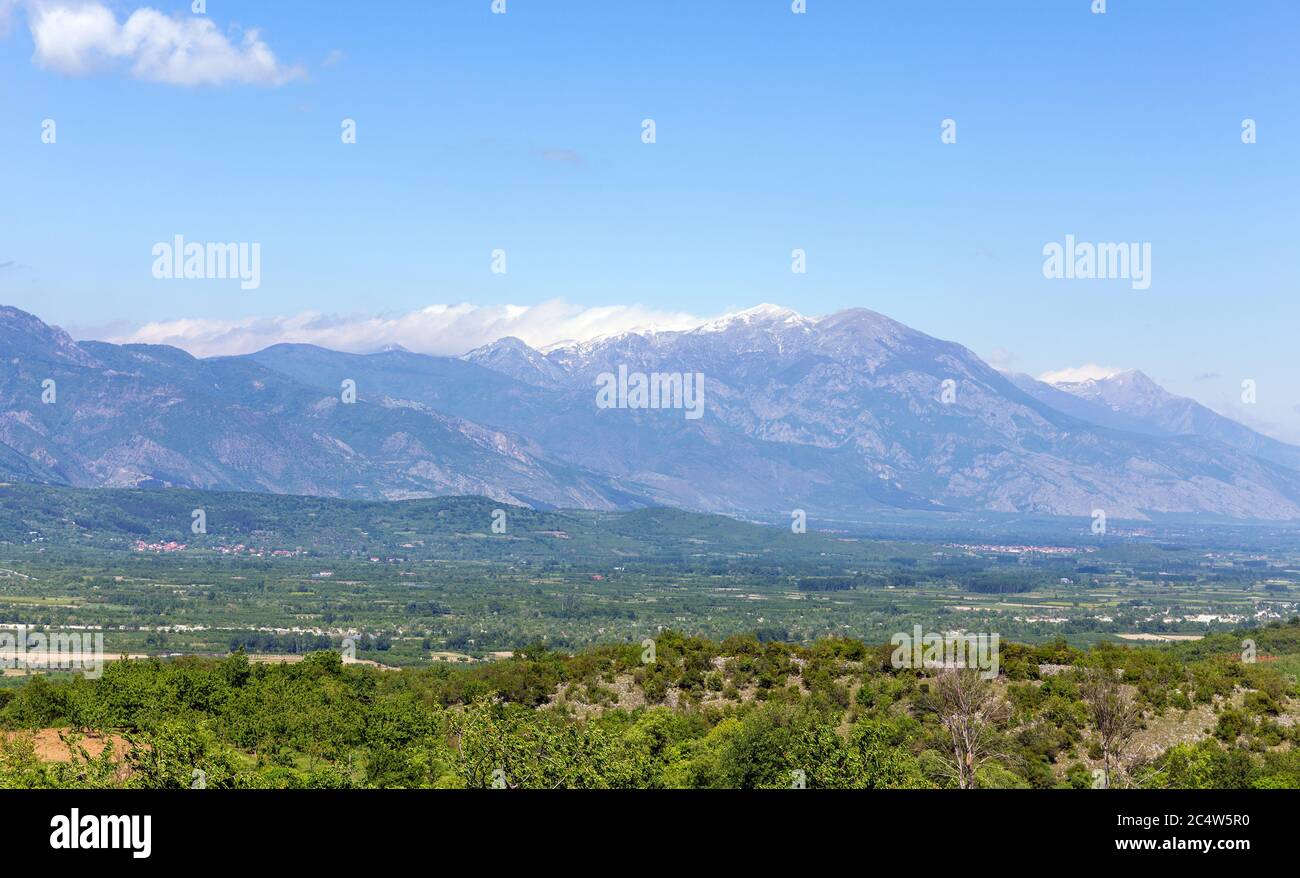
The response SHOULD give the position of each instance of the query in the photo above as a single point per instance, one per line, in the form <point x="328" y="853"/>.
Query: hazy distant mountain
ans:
<point x="510" y="356"/>
<point x="837" y="415"/>
<point x="1130" y="400"/>
<point x="141" y="414"/>
<point x="1083" y="408"/>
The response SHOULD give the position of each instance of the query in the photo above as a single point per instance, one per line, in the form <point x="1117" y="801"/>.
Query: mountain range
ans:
<point x="836" y="415"/>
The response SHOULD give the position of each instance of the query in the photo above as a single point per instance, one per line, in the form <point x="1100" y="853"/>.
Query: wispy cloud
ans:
<point x="7" y="8"/>
<point x="448" y="330"/>
<point x="1002" y="359"/>
<point x="567" y="156"/>
<point x="80" y="37"/>
<point x="1086" y="372"/>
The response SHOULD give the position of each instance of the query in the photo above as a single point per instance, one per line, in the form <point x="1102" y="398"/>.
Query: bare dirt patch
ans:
<point x="50" y="747"/>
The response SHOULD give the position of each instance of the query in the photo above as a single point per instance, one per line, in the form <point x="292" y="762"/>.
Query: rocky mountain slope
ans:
<point x="1133" y="399"/>
<point x="148" y="415"/>
<point x="864" y="397"/>
<point x="836" y="415"/>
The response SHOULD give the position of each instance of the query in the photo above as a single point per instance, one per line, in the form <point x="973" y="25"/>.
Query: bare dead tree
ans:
<point x="1115" y="715"/>
<point x="973" y="714"/>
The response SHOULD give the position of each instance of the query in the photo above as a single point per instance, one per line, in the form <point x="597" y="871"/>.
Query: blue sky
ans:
<point x="775" y="131"/>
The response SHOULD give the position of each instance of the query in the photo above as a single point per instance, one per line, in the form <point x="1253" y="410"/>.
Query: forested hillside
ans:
<point x="674" y="712"/>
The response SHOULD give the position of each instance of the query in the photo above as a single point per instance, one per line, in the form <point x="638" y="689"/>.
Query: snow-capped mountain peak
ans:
<point x="1129" y="390"/>
<point x="765" y="314"/>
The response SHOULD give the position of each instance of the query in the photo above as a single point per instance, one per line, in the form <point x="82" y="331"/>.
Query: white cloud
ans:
<point x="448" y="330"/>
<point x="1002" y="359"/>
<point x="78" y="37"/>
<point x="1088" y="372"/>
